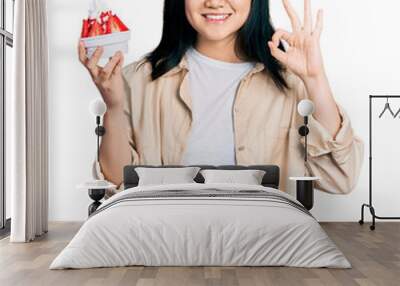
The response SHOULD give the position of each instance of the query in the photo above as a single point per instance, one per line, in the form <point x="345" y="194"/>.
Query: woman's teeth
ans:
<point x="216" y="17"/>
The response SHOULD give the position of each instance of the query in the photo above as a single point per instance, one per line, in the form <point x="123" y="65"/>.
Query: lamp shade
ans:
<point x="305" y="107"/>
<point x="97" y="107"/>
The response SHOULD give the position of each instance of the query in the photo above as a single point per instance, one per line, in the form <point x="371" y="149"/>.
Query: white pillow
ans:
<point x="165" y="176"/>
<point x="248" y="177"/>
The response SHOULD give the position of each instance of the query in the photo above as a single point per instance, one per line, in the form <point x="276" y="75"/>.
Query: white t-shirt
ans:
<point x="212" y="86"/>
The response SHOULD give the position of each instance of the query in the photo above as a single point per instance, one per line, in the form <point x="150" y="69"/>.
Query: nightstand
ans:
<point x="96" y="190"/>
<point x="305" y="190"/>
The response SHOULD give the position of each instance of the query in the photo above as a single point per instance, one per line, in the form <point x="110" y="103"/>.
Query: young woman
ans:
<point x="221" y="88"/>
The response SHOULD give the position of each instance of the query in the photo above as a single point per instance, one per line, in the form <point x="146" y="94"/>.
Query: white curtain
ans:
<point x="28" y="148"/>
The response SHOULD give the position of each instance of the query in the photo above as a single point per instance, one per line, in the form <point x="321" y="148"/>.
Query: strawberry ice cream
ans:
<point x="104" y="28"/>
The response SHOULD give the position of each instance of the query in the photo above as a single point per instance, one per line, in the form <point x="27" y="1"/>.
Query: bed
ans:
<point x="198" y="224"/>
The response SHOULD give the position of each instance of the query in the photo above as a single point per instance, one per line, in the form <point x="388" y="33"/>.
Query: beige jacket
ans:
<point x="265" y="120"/>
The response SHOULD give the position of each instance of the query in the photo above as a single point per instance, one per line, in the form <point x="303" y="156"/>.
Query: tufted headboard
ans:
<point x="270" y="179"/>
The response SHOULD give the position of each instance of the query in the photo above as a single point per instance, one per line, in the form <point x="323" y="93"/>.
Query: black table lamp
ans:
<point x="97" y="188"/>
<point x="305" y="109"/>
<point x="305" y="185"/>
<point x="98" y="108"/>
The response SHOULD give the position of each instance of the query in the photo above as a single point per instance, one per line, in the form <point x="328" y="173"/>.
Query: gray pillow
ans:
<point x="248" y="177"/>
<point x="166" y="176"/>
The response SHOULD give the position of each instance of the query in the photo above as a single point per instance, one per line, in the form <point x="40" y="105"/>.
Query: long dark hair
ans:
<point x="178" y="35"/>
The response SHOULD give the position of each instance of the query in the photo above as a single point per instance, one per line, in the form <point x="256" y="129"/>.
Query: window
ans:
<point x="6" y="44"/>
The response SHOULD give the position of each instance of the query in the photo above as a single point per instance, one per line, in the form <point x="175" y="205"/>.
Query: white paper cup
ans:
<point x="111" y="43"/>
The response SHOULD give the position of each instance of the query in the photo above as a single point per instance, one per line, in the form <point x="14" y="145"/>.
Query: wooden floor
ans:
<point x="375" y="257"/>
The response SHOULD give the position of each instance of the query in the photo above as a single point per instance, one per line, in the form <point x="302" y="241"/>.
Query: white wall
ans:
<point x="360" y="45"/>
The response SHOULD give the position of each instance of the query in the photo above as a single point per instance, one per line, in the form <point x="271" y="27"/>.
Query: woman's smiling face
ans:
<point x="216" y="20"/>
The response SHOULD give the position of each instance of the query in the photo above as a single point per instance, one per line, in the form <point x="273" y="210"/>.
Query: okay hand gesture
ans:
<point x="303" y="55"/>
